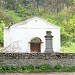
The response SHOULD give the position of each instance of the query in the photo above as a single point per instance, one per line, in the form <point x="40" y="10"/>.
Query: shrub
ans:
<point x="41" y="68"/>
<point x="46" y="68"/>
<point x="58" y="68"/>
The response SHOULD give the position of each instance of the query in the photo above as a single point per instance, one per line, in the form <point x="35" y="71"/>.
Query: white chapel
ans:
<point x="32" y="35"/>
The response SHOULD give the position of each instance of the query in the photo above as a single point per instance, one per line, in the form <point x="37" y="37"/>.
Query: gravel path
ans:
<point x="52" y="73"/>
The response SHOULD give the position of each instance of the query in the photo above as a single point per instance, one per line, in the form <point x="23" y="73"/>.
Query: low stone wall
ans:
<point x="37" y="59"/>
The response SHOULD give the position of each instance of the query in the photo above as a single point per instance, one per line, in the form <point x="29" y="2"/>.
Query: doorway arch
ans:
<point x="35" y="45"/>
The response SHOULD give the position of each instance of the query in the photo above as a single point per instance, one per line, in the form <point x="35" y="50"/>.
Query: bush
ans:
<point x="41" y="68"/>
<point x="58" y="68"/>
<point x="65" y="69"/>
<point x="30" y="68"/>
<point x="46" y="68"/>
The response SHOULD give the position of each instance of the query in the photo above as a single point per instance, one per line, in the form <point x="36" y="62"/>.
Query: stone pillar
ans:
<point x="49" y="42"/>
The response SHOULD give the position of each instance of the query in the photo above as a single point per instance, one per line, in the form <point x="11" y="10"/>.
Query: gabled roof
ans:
<point x="34" y="23"/>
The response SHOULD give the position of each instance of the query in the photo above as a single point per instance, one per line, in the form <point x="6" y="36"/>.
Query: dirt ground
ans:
<point x="52" y="73"/>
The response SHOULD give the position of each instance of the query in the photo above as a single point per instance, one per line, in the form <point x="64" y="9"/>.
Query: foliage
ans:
<point x="41" y="68"/>
<point x="70" y="48"/>
<point x="13" y="16"/>
<point x="3" y="17"/>
<point x="2" y="25"/>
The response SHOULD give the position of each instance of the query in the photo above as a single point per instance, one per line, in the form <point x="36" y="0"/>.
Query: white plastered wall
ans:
<point x="7" y="38"/>
<point x="27" y="31"/>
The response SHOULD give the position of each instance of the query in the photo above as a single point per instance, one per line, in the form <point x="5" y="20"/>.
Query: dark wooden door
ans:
<point x="35" y="47"/>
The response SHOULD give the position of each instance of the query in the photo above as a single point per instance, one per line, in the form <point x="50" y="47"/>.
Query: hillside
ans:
<point x="59" y="12"/>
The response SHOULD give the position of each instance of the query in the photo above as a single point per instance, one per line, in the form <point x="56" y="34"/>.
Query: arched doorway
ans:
<point x="35" y="44"/>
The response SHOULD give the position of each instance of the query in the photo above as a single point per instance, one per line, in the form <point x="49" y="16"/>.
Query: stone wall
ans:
<point x="37" y="59"/>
